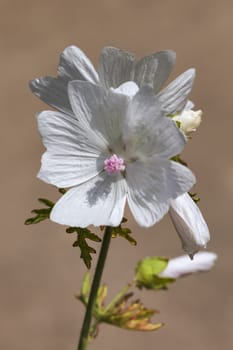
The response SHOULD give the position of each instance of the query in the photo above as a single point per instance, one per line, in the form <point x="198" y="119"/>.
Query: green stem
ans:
<point x="94" y="289"/>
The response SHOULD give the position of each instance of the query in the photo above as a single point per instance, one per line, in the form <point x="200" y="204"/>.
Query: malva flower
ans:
<point x="115" y="148"/>
<point x="189" y="223"/>
<point x="182" y="266"/>
<point x="115" y="68"/>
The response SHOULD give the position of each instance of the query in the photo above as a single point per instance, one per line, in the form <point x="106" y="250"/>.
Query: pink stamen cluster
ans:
<point x="114" y="164"/>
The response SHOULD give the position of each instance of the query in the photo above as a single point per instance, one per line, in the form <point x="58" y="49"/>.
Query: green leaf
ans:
<point x="40" y="214"/>
<point x="82" y="235"/>
<point x="47" y="202"/>
<point x="123" y="232"/>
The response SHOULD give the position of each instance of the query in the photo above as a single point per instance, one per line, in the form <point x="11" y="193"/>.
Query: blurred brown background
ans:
<point x="40" y="271"/>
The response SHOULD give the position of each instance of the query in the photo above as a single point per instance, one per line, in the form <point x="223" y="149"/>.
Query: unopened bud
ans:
<point x="189" y="120"/>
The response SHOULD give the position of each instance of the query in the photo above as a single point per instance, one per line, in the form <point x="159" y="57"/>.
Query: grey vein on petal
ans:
<point x="174" y="96"/>
<point x="115" y="66"/>
<point x="73" y="65"/>
<point x="154" y="69"/>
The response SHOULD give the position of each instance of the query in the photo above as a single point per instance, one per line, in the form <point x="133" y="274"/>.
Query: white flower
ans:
<point x="189" y="223"/>
<point x="115" y="68"/>
<point x="189" y="120"/>
<point x="114" y="148"/>
<point x="182" y="265"/>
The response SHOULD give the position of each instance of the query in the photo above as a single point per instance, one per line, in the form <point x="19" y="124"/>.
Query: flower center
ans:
<point x="114" y="164"/>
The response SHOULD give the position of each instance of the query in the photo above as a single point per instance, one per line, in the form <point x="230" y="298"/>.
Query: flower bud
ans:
<point x="188" y="120"/>
<point x="148" y="273"/>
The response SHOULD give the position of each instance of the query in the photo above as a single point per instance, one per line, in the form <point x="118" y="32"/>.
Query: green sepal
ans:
<point x="86" y="250"/>
<point x="147" y="273"/>
<point x="178" y="159"/>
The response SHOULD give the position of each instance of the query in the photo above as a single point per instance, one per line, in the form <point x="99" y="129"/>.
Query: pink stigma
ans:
<point x="114" y="164"/>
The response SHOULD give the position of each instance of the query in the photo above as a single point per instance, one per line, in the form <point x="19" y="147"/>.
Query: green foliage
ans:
<point x="123" y="232"/>
<point x="40" y="214"/>
<point x="147" y="273"/>
<point x="82" y="235"/>
<point x="121" y="312"/>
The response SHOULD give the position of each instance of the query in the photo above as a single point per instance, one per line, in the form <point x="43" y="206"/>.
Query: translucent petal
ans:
<point x="174" y="97"/>
<point x="115" y="67"/>
<point x="154" y="69"/>
<point x="147" y="131"/>
<point x="100" y="111"/>
<point x="189" y="223"/>
<point x="100" y="201"/>
<point x="52" y="91"/>
<point x="151" y="185"/>
<point x="183" y="265"/>
<point x="73" y="65"/>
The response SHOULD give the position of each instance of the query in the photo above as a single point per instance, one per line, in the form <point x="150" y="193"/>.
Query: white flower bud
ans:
<point x="189" y="120"/>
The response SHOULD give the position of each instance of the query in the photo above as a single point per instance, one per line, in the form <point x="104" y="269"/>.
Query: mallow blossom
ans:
<point x="182" y="266"/>
<point x="115" y="148"/>
<point x="115" y="68"/>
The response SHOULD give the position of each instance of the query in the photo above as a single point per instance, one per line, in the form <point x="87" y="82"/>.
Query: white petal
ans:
<point x="115" y="67"/>
<point x="129" y="88"/>
<point x="174" y="96"/>
<point x="52" y="91"/>
<point x="189" y="223"/>
<point x="189" y="105"/>
<point x="180" y="179"/>
<point x="73" y="65"/>
<point x="101" y="111"/>
<point x="71" y="156"/>
<point x="147" y="131"/>
<point x="151" y="185"/>
<point x="100" y="201"/>
<point x="154" y="69"/>
<point x="67" y="170"/>
<point x="182" y="265"/>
